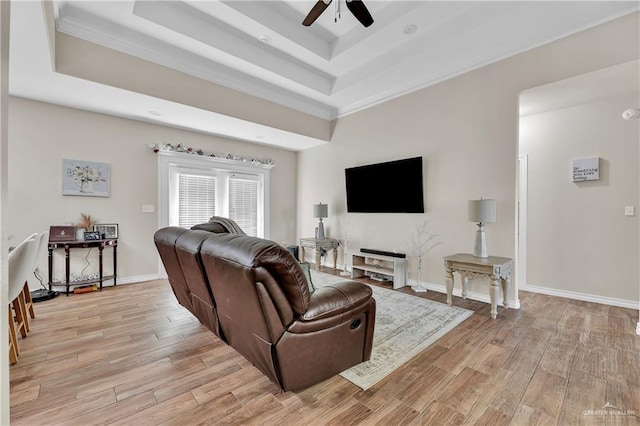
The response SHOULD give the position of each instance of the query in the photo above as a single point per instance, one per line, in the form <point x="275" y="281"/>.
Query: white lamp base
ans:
<point x="320" y="235"/>
<point x="480" y="249"/>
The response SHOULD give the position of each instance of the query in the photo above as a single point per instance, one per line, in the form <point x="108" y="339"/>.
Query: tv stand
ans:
<point x="380" y="267"/>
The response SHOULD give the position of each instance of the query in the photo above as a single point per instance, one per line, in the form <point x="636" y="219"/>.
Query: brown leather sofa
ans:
<point x="253" y="294"/>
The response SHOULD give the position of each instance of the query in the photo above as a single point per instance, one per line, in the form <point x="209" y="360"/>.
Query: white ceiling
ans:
<point x="327" y="70"/>
<point x="618" y="80"/>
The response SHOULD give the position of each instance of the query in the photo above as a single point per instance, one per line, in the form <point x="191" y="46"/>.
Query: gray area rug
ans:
<point x="405" y="326"/>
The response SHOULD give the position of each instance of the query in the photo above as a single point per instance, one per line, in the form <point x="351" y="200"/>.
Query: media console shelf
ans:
<point x="380" y="267"/>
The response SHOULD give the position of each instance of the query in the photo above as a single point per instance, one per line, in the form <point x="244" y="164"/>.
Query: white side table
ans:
<point x="320" y="245"/>
<point x="498" y="269"/>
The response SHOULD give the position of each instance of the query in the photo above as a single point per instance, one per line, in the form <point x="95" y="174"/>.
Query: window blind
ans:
<point x="243" y="203"/>
<point x="196" y="199"/>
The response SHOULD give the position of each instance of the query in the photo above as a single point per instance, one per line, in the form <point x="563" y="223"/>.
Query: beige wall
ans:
<point x="466" y="129"/>
<point x="41" y="135"/>
<point x="579" y="239"/>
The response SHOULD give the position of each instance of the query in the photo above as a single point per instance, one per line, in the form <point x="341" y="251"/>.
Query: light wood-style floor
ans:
<point x="131" y="355"/>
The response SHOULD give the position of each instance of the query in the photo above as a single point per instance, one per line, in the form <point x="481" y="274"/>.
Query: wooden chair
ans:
<point x="13" y="341"/>
<point x="21" y="261"/>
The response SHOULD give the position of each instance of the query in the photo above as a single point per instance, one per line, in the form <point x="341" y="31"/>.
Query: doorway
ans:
<point x="573" y="238"/>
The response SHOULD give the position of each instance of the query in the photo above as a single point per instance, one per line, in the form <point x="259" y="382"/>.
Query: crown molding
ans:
<point x="86" y="26"/>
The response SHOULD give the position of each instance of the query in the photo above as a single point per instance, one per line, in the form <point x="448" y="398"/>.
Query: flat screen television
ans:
<point x="390" y="187"/>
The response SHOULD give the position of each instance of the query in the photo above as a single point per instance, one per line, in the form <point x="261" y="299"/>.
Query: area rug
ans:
<point x="405" y="326"/>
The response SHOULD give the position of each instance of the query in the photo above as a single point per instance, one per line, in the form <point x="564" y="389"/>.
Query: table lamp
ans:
<point x="481" y="211"/>
<point x="320" y="211"/>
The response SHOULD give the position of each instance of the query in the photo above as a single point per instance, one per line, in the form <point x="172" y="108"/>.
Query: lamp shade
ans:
<point x="482" y="211"/>
<point x="320" y="210"/>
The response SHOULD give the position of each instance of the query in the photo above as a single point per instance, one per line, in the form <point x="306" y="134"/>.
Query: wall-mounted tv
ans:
<point x="390" y="187"/>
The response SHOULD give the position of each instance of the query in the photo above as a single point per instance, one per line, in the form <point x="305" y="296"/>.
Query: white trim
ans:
<point x="131" y="280"/>
<point x="521" y="221"/>
<point x="169" y="159"/>
<point x="582" y="296"/>
<point x="110" y="34"/>
<point x="480" y="297"/>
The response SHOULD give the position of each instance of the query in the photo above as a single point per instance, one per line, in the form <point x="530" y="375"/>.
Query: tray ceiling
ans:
<point x="327" y="70"/>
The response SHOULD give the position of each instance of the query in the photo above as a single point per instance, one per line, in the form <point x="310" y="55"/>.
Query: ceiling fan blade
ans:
<point x="315" y="12"/>
<point x="360" y="11"/>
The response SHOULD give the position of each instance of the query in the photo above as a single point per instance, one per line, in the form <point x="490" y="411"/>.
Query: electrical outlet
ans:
<point x="630" y="211"/>
<point x="148" y="208"/>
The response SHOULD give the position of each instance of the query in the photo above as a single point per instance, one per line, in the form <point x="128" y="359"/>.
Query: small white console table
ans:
<point x="379" y="266"/>
<point x="498" y="269"/>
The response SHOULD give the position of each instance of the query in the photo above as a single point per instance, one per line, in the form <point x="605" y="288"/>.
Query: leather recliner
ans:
<point x="260" y="304"/>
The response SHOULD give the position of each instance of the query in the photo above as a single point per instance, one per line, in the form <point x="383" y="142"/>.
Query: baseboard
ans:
<point x="480" y="297"/>
<point x="132" y="280"/>
<point x="582" y="296"/>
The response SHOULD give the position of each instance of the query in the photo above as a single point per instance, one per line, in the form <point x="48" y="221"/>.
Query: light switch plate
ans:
<point x="629" y="210"/>
<point x="148" y="208"/>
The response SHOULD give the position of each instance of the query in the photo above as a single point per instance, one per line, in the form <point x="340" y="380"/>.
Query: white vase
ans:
<point x="79" y="234"/>
<point x="86" y="186"/>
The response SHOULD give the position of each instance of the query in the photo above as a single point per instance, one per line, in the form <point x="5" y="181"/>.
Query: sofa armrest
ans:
<point x="333" y="305"/>
<point x="336" y="299"/>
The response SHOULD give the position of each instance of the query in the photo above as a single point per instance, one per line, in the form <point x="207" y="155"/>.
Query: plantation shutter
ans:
<point x="196" y="199"/>
<point x="243" y="203"/>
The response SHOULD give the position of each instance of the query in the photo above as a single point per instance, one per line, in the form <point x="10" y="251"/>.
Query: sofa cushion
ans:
<point x="165" y="240"/>
<point x="336" y="298"/>
<point x="253" y="252"/>
<point x="210" y="227"/>
<point x="219" y="224"/>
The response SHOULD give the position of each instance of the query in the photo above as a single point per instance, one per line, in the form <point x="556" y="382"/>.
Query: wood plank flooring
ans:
<point x="130" y="355"/>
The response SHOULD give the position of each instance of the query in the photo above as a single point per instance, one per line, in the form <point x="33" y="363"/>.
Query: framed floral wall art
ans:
<point x="85" y="178"/>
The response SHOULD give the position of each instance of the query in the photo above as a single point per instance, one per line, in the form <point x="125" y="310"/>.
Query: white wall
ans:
<point x="41" y="135"/>
<point x="5" y="8"/>
<point x="466" y="129"/>
<point x="579" y="239"/>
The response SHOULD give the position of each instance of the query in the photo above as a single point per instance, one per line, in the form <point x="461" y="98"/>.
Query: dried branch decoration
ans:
<point x="86" y="222"/>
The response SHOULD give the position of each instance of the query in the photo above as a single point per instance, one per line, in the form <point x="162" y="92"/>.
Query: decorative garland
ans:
<point x="188" y="150"/>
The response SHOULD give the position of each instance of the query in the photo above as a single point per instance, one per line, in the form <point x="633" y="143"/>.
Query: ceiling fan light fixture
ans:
<point x="264" y="39"/>
<point x="356" y="7"/>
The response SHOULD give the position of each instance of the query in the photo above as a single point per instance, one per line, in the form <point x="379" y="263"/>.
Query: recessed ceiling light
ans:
<point x="410" y="29"/>
<point x="264" y="39"/>
<point x="155" y="113"/>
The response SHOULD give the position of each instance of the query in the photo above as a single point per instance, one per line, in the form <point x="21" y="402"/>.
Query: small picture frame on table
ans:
<point x="107" y="230"/>
<point x="92" y="235"/>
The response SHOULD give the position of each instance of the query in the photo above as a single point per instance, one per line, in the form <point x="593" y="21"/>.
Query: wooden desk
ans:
<point x="68" y="245"/>
<point x="320" y="246"/>
<point x="498" y="269"/>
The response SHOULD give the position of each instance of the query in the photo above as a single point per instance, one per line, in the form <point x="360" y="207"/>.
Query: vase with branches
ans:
<point x="343" y="241"/>
<point x="86" y="222"/>
<point x="422" y="241"/>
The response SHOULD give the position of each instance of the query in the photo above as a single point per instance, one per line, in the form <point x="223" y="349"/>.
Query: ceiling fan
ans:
<point x="356" y="7"/>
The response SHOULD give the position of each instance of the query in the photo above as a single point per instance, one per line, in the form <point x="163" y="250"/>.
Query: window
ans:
<point x="243" y="203"/>
<point x="196" y="199"/>
<point x="193" y="188"/>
